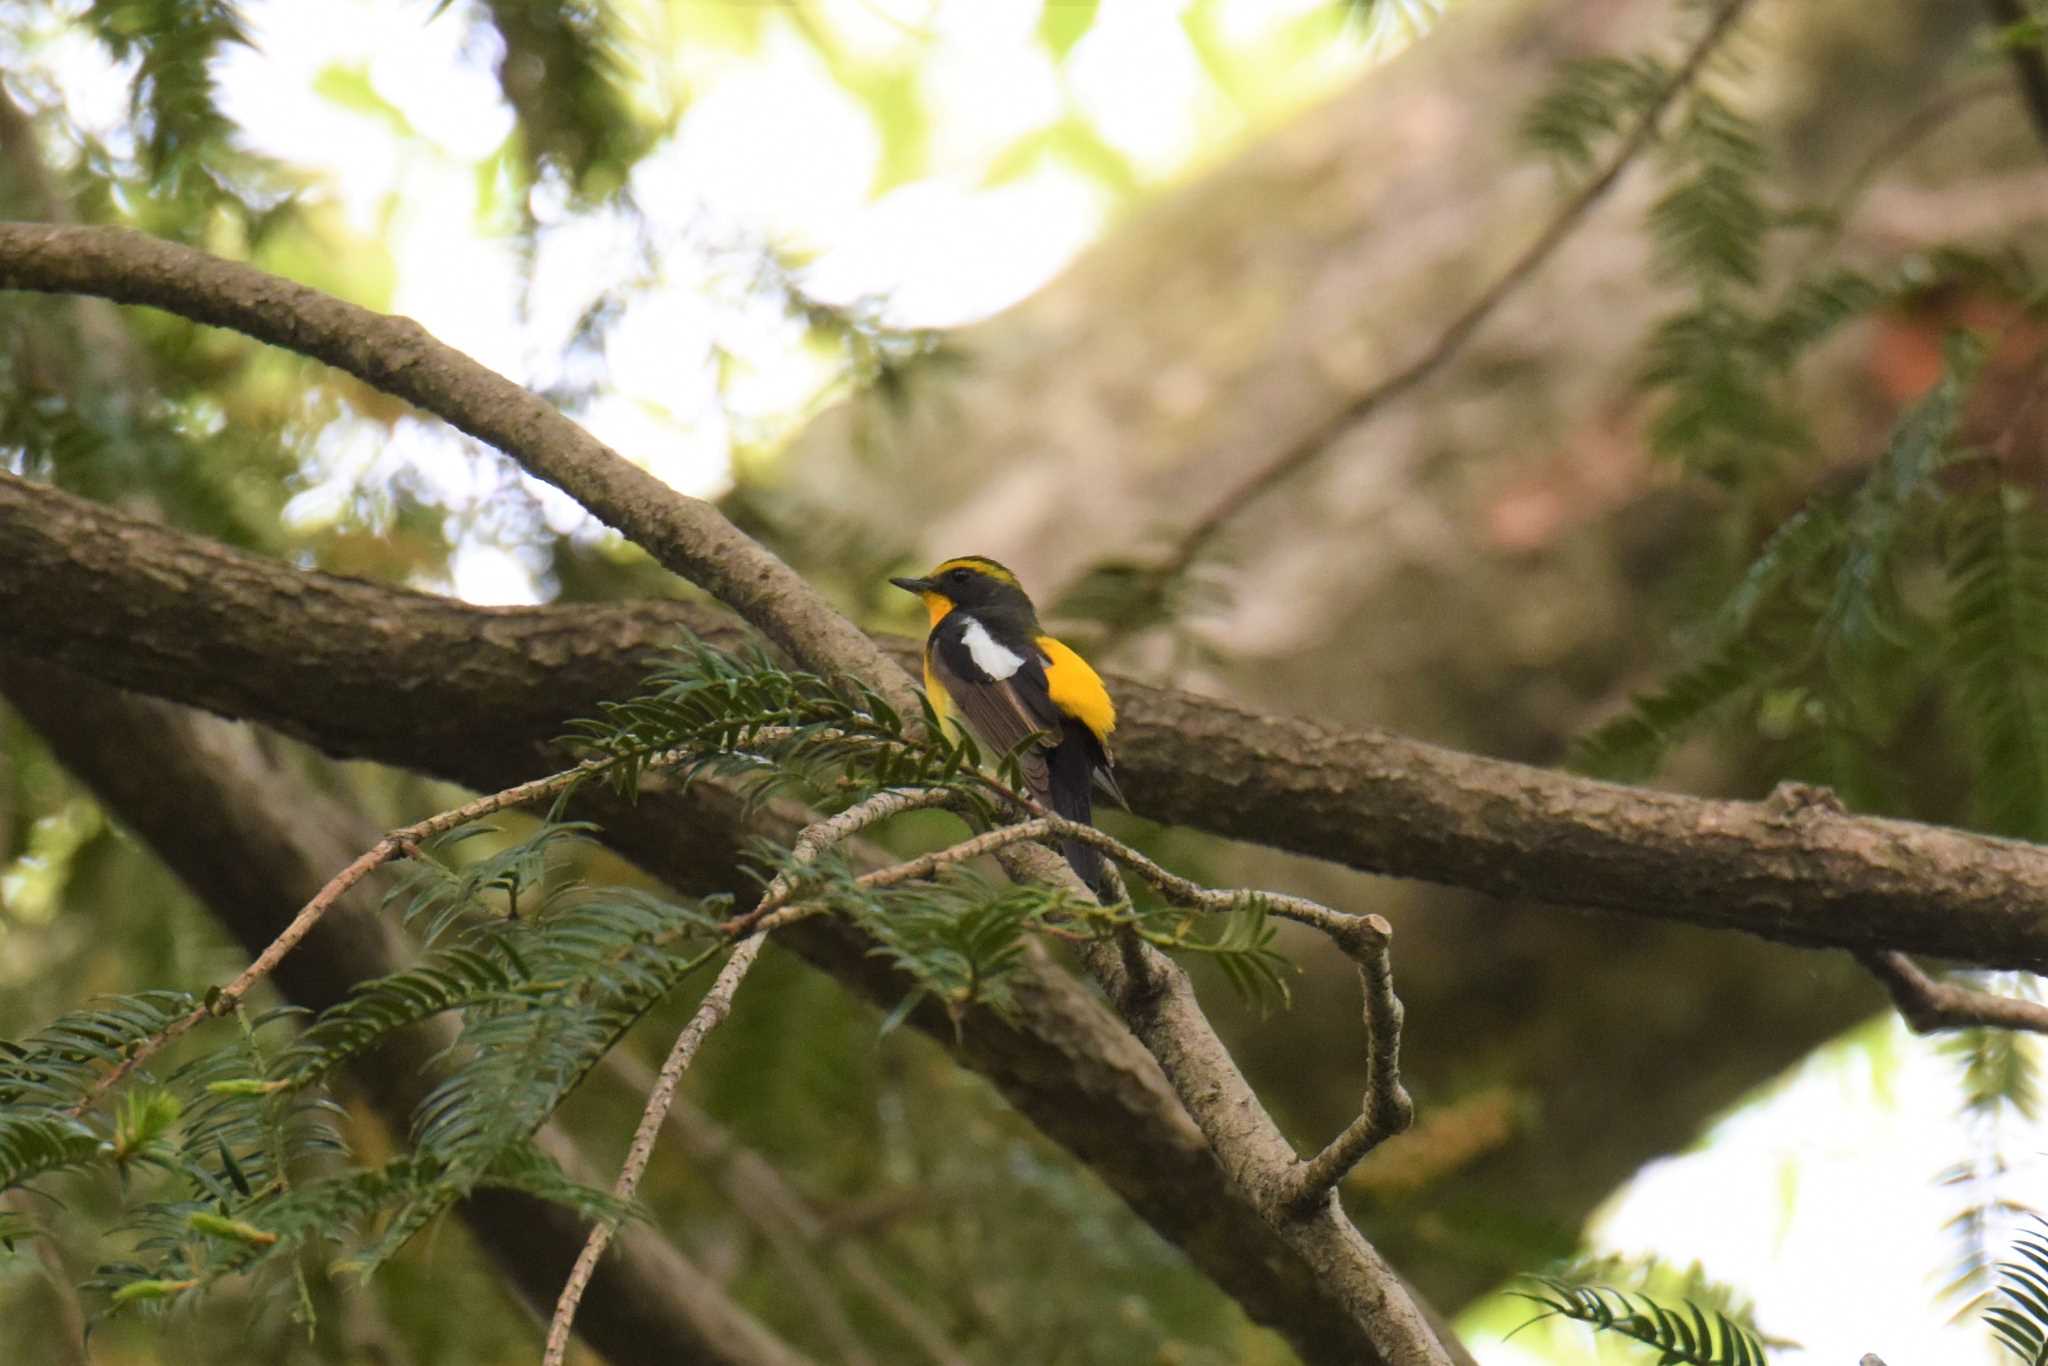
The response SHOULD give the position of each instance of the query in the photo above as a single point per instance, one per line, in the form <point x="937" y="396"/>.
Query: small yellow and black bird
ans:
<point x="987" y="662"/>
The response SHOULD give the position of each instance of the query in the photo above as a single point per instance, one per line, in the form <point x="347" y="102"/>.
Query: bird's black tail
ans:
<point x="1070" y="771"/>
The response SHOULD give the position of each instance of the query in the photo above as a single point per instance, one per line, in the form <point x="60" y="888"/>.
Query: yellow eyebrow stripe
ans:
<point x="979" y="566"/>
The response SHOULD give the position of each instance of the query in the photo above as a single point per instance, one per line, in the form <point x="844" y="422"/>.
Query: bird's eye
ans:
<point x="960" y="575"/>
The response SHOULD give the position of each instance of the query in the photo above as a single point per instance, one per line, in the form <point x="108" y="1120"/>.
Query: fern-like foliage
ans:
<point x="56" y="1066"/>
<point x="433" y="896"/>
<point x="538" y="1001"/>
<point x="1587" y="102"/>
<point x="1999" y="1075"/>
<point x="1691" y="1336"/>
<point x="566" y="74"/>
<point x="777" y="731"/>
<point x="175" y="45"/>
<point x="1998" y="640"/>
<point x="237" y="1167"/>
<point x="36" y="1142"/>
<point x="2019" y="1317"/>
<point x="1118" y="598"/>
<point x="1816" y="625"/>
<point x="961" y="937"/>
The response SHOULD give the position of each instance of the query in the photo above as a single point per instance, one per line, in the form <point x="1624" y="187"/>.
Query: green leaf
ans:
<point x="1688" y="1336"/>
<point x="351" y="88"/>
<point x="1062" y="23"/>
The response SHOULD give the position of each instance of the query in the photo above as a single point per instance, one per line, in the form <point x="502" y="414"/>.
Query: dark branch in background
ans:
<point x="1193" y="541"/>
<point x="252" y="841"/>
<point x="397" y="355"/>
<point x="2029" y="65"/>
<point x="1895" y="144"/>
<point x="1929" y="1006"/>
<point x="470" y="693"/>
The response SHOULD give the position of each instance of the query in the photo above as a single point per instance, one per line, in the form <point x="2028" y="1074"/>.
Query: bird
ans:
<point x="989" y="663"/>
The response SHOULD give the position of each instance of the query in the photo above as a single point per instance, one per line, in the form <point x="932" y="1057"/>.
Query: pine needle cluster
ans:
<point x="233" y="1163"/>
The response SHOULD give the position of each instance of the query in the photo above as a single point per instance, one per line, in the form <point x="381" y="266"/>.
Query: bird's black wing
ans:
<point x="1002" y="712"/>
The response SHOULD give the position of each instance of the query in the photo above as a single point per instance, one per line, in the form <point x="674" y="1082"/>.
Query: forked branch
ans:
<point x="1929" y="1006"/>
<point x="1387" y="1110"/>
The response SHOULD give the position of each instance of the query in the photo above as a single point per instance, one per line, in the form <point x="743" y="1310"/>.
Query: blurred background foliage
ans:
<point x="1744" y="485"/>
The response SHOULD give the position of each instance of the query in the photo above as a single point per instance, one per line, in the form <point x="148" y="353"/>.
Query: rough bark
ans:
<point x="322" y="658"/>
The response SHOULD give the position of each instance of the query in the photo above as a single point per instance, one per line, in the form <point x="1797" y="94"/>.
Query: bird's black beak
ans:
<point x="913" y="585"/>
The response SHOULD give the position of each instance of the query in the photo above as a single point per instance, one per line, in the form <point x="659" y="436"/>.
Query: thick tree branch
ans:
<point x="408" y="679"/>
<point x="687" y="536"/>
<point x="400" y="357"/>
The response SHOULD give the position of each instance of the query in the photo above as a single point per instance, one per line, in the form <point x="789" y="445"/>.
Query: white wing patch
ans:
<point x="990" y="655"/>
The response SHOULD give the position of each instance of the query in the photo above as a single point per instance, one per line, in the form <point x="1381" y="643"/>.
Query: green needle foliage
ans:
<point x="782" y="732"/>
<point x="1681" y="1337"/>
<point x="566" y="72"/>
<point x="234" y="1164"/>
<point x="174" y="43"/>
<point x="2020" y="1320"/>
<point x="1819" y="635"/>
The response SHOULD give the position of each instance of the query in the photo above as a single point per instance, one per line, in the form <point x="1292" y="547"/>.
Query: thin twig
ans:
<point x="2029" y="67"/>
<point x="1387" y="1110"/>
<point x="815" y="839"/>
<point x="717" y="1004"/>
<point x="760" y="1196"/>
<point x="1929" y="1006"/>
<point x="404" y="842"/>
<point x="1347" y="930"/>
<point x="1900" y="140"/>
<point x="785" y="1216"/>
<point x="1555" y="233"/>
<point x="774" y="912"/>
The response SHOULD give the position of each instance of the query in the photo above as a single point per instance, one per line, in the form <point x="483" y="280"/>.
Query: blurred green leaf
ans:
<point x="351" y="88"/>
<point x="1063" y="23"/>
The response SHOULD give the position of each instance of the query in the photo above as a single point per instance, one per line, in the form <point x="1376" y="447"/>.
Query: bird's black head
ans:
<point x="975" y="583"/>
